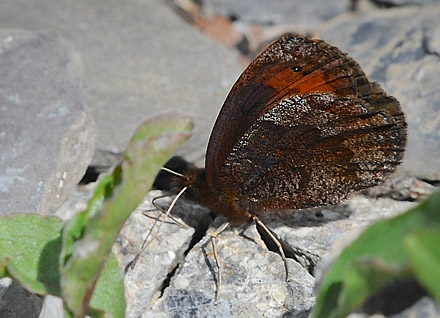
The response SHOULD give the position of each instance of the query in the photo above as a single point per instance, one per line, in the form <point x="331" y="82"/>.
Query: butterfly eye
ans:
<point x="296" y="68"/>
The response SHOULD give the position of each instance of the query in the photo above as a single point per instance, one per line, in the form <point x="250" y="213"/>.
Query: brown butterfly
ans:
<point x="302" y="127"/>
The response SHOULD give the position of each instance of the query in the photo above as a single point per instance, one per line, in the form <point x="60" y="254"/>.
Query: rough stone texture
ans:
<point x="332" y="237"/>
<point x="17" y="302"/>
<point x="143" y="284"/>
<point x="52" y="307"/>
<point x="364" y="212"/>
<point x="316" y="235"/>
<point x="399" y="48"/>
<point x="253" y="282"/>
<point x="139" y="59"/>
<point x="305" y="15"/>
<point x="253" y="278"/>
<point x="403" y="188"/>
<point x="46" y="136"/>
<point x="76" y="201"/>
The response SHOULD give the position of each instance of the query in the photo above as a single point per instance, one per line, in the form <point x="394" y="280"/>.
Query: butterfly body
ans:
<point x="301" y="127"/>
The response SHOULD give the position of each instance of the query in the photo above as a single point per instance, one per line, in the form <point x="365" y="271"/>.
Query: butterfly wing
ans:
<point x="284" y="81"/>
<point x="291" y="65"/>
<point x="311" y="150"/>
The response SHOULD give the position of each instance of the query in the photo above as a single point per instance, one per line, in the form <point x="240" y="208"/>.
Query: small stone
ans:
<point x="15" y="301"/>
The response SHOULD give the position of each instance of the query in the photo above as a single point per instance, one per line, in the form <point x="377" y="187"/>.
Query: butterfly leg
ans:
<point x="277" y="243"/>
<point x="217" y="262"/>
<point x="164" y="212"/>
<point x="145" y="244"/>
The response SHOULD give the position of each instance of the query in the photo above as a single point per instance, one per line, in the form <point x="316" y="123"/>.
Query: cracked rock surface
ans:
<point x="253" y="278"/>
<point x="177" y="275"/>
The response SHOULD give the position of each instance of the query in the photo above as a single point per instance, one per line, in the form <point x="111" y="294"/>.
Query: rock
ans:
<point x="46" y="135"/>
<point x="261" y="22"/>
<point x="139" y="59"/>
<point x="403" y="188"/>
<point x="399" y="48"/>
<point x="253" y="282"/>
<point x="304" y="15"/>
<point x="52" y="307"/>
<point x="253" y="278"/>
<point x="76" y="201"/>
<point x="365" y="211"/>
<point x="144" y="283"/>
<point x="308" y="235"/>
<point x="17" y="302"/>
<point x="354" y="216"/>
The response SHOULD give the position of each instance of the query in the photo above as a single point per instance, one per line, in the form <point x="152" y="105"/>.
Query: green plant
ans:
<point x="74" y="260"/>
<point x="403" y="247"/>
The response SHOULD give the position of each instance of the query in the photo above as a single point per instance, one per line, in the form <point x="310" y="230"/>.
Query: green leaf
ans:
<point x="90" y="235"/>
<point x="108" y="295"/>
<point x="381" y="243"/>
<point x="423" y="250"/>
<point x="30" y="246"/>
<point x="362" y="279"/>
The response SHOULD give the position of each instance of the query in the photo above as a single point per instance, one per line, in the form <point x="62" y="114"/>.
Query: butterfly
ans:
<point x="302" y="127"/>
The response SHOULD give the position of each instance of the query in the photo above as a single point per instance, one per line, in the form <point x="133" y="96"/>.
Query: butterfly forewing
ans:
<point x="290" y="66"/>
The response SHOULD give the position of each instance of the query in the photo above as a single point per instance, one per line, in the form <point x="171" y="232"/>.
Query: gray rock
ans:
<point x="52" y="307"/>
<point x="253" y="282"/>
<point x="332" y="237"/>
<point x="17" y="302"/>
<point x="399" y="48"/>
<point x="143" y="284"/>
<point x="364" y="211"/>
<point x="46" y="136"/>
<point x="139" y="59"/>
<point x="308" y="235"/>
<point x="253" y="278"/>
<point x="403" y="188"/>
<point x="305" y="15"/>
<point x="76" y="201"/>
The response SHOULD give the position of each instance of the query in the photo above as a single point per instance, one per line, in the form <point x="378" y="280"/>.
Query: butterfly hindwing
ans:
<point x="312" y="150"/>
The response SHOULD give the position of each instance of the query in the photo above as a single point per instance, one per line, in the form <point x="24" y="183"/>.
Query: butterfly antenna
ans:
<point x="146" y="244"/>
<point x="174" y="172"/>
